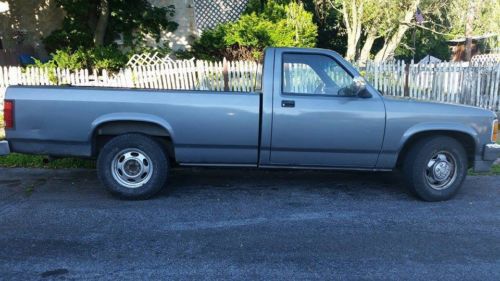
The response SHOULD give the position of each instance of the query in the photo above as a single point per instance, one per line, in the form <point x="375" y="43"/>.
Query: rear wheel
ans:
<point x="133" y="166"/>
<point x="435" y="168"/>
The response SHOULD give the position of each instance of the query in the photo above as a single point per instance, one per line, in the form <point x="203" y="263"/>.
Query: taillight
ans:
<point x="8" y="114"/>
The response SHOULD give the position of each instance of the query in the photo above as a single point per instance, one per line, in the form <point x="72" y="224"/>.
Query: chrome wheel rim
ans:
<point x="441" y="170"/>
<point x="132" y="168"/>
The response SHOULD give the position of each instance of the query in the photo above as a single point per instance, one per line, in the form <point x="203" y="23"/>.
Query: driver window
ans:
<point x="313" y="74"/>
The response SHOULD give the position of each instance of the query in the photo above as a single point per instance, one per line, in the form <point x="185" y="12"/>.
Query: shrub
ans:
<point x="279" y="25"/>
<point x="65" y="58"/>
<point x="211" y="44"/>
<point x="109" y="58"/>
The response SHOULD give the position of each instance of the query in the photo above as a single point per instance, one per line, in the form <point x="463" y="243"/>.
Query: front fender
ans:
<point x="438" y="126"/>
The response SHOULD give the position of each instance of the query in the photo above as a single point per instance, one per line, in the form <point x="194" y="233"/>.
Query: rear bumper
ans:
<point x="491" y="153"/>
<point x="4" y="148"/>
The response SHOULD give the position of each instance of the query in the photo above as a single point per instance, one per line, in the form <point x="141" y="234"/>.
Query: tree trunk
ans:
<point x="469" y="28"/>
<point x="102" y="23"/>
<point x="352" y="45"/>
<point x="367" y="47"/>
<point x="390" y="46"/>
<point x="392" y="43"/>
<point x="352" y="20"/>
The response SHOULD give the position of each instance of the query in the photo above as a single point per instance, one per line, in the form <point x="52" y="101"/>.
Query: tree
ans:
<point x="352" y="12"/>
<point x="378" y="27"/>
<point x="471" y="10"/>
<point x="89" y="23"/>
<point x="370" y="20"/>
<point x="482" y="18"/>
<point x="102" y="23"/>
<point x="392" y="42"/>
<point x="378" y="21"/>
<point x="352" y="16"/>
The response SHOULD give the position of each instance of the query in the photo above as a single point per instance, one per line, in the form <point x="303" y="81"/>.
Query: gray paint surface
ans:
<point x="223" y="128"/>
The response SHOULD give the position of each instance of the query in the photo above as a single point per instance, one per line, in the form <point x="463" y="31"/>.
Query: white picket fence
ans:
<point x="444" y="82"/>
<point x="477" y="85"/>
<point x="235" y="76"/>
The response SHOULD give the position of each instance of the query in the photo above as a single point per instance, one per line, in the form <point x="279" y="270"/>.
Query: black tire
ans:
<point x="422" y="173"/>
<point x="142" y="157"/>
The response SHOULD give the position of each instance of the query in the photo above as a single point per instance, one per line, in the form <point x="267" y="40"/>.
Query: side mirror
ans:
<point x="359" y="88"/>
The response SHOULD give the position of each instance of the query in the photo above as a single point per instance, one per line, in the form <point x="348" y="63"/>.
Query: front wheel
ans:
<point x="133" y="166"/>
<point x="435" y="168"/>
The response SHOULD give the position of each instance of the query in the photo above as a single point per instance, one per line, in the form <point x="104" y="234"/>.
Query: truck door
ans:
<point x="316" y="120"/>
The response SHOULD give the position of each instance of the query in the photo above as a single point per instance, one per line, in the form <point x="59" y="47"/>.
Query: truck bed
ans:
<point x="205" y="127"/>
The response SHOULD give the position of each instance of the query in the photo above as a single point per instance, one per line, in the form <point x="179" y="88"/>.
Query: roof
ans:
<point x="476" y="37"/>
<point x="429" y="59"/>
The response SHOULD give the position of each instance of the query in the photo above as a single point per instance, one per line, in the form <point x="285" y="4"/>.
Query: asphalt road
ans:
<point x="245" y="224"/>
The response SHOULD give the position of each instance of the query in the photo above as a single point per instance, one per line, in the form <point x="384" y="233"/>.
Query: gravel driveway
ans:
<point x="245" y="224"/>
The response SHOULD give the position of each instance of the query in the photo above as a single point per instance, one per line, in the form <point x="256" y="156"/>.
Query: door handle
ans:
<point x="287" y="103"/>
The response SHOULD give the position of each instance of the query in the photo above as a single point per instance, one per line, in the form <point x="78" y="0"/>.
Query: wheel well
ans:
<point x="105" y="132"/>
<point x="465" y="139"/>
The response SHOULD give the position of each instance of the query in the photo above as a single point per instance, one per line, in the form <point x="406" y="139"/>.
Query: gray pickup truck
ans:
<point x="313" y="110"/>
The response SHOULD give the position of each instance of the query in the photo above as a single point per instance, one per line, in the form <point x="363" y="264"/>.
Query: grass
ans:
<point x="2" y="132"/>
<point x="495" y="170"/>
<point x="16" y="160"/>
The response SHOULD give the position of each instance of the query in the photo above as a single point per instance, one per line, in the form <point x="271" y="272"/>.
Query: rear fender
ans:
<point x="131" y="117"/>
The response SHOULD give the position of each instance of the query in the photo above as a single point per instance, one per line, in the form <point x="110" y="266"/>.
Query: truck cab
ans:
<point x="320" y="111"/>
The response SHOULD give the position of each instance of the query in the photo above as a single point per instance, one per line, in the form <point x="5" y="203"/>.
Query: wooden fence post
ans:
<point x="225" y="73"/>
<point x="406" y="91"/>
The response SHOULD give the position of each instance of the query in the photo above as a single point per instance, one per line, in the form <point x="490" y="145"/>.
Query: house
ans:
<point x="194" y="16"/>
<point x="481" y="44"/>
<point x="23" y="23"/>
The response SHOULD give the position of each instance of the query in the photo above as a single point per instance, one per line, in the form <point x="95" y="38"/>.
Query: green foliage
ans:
<point x="75" y="31"/>
<point x="297" y="29"/>
<point x="278" y="24"/>
<point x="486" y="20"/>
<point x="67" y="59"/>
<point x="426" y="43"/>
<point x="252" y="32"/>
<point x="109" y="58"/>
<point x="131" y="15"/>
<point x="16" y="160"/>
<point x="71" y="35"/>
<point x="132" y="18"/>
<point x="100" y="58"/>
<point x="211" y="44"/>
